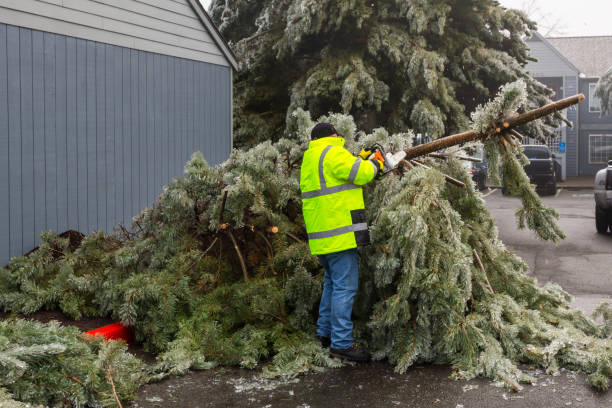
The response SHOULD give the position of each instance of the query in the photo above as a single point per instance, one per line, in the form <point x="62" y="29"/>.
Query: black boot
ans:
<point x="325" y="341"/>
<point x="352" y="353"/>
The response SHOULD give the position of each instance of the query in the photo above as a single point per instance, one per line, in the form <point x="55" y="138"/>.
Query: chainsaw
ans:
<point x="390" y="161"/>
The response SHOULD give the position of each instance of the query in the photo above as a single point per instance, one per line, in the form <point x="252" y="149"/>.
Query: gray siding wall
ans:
<point x="169" y="27"/>
<point x="549" y="63"/>
<point x="570" y="84"/>
<point x="90" y="132"/>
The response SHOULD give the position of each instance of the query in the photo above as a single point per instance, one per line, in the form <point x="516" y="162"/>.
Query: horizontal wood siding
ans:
<point x="548" y="63"/>
<point x="159" y="26"/>
<point x="90" y="132"/>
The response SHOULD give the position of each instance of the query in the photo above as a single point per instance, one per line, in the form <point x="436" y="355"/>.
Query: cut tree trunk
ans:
<point x="508" y="124"/>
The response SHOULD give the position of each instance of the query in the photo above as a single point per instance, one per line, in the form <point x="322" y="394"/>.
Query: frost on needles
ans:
<point x="505" y="154"/>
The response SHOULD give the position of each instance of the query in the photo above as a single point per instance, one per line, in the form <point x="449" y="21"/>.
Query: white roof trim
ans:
<point x="214" y="32"/>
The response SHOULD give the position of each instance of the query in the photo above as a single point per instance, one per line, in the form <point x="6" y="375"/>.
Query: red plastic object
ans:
<point x="113" y="331"/>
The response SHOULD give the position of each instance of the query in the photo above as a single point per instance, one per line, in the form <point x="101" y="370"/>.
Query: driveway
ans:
<point x="581" y="264"/>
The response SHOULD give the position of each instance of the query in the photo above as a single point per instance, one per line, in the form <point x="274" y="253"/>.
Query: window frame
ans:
<point x="608" y="135"/>
<point x="592" y="87"/>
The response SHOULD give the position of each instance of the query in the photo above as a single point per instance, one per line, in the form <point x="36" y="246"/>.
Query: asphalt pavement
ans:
<point x="581" y="264"/>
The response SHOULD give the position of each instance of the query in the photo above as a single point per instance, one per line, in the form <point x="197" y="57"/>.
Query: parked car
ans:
<point x="603" y="199"/>
<point x="541" y="168"/>
<point x="479" y="173"/>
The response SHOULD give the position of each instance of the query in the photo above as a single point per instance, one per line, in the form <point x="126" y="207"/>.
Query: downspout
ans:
<point x="231" y="110"/>
<point x="578" y="88"/>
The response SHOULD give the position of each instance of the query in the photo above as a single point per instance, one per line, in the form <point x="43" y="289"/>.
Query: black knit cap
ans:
<point x="322" y="130"/>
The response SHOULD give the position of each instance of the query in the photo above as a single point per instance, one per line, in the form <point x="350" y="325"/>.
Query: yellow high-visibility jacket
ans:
<point x="332" y="196"/>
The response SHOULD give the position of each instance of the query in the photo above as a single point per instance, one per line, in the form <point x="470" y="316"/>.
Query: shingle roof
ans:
<point x="592" y="55"/>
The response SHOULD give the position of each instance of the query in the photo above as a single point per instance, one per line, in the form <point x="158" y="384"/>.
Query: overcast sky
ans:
<point x="568" y="17"/>
<point x="562" y="17"/>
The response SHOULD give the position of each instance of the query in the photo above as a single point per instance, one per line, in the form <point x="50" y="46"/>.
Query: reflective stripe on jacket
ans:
<point x="332" y="197"/>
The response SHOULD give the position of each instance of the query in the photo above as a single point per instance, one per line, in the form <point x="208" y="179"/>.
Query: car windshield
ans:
<point x="536" y="152"/>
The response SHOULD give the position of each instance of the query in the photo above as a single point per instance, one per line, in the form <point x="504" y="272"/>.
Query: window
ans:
<point x="600" y="149"/>
<point x="594" y="102"/>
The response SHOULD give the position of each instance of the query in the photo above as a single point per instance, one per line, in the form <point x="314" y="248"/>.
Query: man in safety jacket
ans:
<point x="331" y="181"/>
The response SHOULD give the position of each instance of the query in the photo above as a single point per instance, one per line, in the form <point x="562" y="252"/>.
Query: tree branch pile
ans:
<point x="219" y="272"/>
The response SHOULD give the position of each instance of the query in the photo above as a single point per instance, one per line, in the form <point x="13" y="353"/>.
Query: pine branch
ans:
<point x="292" y="236"/>
<point x="484" y="272"/>
<point x="199" y="258"/>
<point x="279" y="318"/>
<point x="445" y="156"/>
<point x="448" y="178"/>
<point x="76" y="380"/>
<point x="222" y="208"/>
<point x="506" y="139"/>
<point x="269" y="250"/>
<point x="112" y="383"/>
<point x="407" y="164"/>
<point x="516" y="134"/>
<point x="240" y="257"/>
<point x="268" y="245"/>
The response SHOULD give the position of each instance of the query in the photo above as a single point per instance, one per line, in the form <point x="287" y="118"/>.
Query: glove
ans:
<point x="374" y="157"/>
<point x="365" y="153"/>
<point x="379" y="163"/>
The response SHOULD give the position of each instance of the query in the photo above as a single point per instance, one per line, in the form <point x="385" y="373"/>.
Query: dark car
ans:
<point x="541" y="168"/>
<point x="479" y="173"/>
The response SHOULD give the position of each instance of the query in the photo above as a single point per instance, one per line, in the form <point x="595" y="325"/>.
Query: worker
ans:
<point x="334" y="214"/>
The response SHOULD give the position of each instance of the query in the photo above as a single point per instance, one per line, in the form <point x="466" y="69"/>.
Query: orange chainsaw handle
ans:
<point x="378" y="156"/>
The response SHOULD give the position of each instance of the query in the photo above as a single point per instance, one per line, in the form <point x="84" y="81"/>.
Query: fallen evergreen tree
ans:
<point x="218" y="271"/>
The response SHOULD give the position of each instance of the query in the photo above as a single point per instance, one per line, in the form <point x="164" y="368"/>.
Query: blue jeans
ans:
<point x="339" y="289"/>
